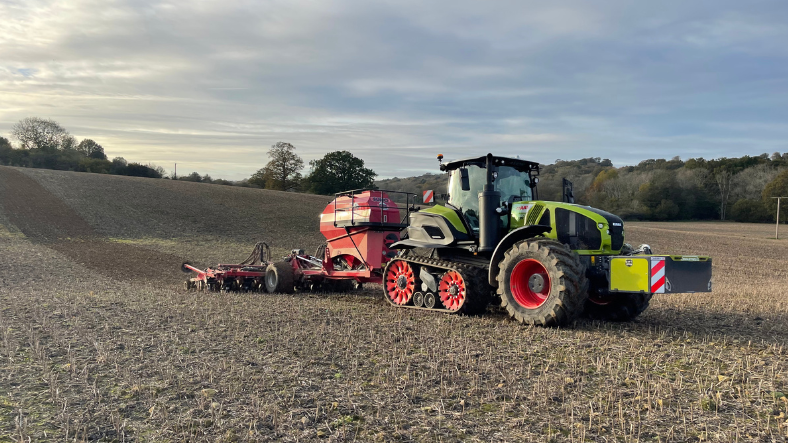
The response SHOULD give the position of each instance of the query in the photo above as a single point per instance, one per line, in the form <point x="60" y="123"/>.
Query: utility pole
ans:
<point x="175" y="174"/>
<point x="777" y="226"/>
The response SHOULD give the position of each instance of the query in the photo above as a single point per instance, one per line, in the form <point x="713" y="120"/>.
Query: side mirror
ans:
<point x="534" y="182"/>
<point x="465" y="182"/>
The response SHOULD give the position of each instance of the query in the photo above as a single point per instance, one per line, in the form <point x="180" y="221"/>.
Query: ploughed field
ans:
<point x="98" y="341"/>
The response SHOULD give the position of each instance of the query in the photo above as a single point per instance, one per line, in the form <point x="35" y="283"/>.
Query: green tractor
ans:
<point x="548" y="262"/>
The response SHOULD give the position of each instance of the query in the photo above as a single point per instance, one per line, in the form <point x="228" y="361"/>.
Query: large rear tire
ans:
<point x="542" y="282"/>
<point x="279" y="277"/>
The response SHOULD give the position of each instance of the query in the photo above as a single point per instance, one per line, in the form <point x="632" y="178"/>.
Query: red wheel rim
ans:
<point x="530" y="283"/>
<point x="452" y="290"/>
<point x="599" y="300"/>
<point x="400" y="282"/>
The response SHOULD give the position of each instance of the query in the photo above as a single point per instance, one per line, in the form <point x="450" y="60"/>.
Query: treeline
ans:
<point x="337" y="171"/>
<point x="739" y="189"/>
<point x="45" y="144"/>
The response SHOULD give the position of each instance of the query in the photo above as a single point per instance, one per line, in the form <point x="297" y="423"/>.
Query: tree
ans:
<point x="161" y="172"/>
<point x="118" y="165"/>
<point x="257" y="179"/>
<point x="6" y="151"/>
<point x="95" y="165"/>
<point x="282" y="171"/>
<point x="140" y="170"/>
<point x="750" y="211"/>
<point x="776" y="188"/>
<point x="39" y="133"/>
<point x="91" y="149"/>
<point x="749" y="183"/>
<point x="193" y="177"/>
<point x="70" y="144"/>
<point x="339" y="171"/>
<point x="724" y="178"/>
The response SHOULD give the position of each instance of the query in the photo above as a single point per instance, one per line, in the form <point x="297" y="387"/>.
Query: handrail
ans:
<point x="409" y="204"/>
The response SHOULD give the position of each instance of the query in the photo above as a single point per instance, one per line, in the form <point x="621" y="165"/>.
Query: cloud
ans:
<point x="212" y="84"/>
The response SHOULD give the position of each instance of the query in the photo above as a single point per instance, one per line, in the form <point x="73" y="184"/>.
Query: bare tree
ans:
<point x="724" y="180"/>
<point x="749" y="183"/>
<point x="40" y="133"/>
<point x="282" y="171"/>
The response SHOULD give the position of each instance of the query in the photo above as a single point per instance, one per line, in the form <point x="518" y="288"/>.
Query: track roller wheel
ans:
<point x="279" y="277"/>
<point x="399" y="282"/>
<point x="453" y="290"/>
<point x="430" y="300"/>
<point x="418" y="299"/>
<point x="542" y="282"/>
<point x="463" y="291"/>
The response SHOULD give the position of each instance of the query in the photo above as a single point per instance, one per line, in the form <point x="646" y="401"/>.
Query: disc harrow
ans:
<point x="247" y="276"/>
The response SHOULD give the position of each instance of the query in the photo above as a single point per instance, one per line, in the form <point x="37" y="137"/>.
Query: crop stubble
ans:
<point x="91" y="351"/>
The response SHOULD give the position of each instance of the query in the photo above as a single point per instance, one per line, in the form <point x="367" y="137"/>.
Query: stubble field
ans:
<point x="98" y="342"/>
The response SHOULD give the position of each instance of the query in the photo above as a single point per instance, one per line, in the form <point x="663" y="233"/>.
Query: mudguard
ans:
<point x="507" y="242"/>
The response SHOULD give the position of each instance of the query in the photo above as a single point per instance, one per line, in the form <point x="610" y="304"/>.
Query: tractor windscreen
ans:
<point x="514" y="186"/>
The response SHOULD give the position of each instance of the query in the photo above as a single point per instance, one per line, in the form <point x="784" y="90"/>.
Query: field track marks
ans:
<point x="47" y="220"/>
<point x="36" y="212"/>
<point x="697" y="233"/>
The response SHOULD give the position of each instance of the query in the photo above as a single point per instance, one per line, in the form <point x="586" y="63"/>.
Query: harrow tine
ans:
<point x="187" y="267"/>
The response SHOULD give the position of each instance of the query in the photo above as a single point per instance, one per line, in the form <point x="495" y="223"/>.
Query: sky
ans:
<point x="212" y="85"/>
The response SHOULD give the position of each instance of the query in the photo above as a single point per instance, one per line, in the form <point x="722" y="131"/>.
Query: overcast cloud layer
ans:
<point x="212" y="84"/>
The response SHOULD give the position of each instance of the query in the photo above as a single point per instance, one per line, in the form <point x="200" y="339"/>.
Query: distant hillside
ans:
<point x="434" y="182"/>
<point x="656" y="189"/>
<point x="138" y="209"/>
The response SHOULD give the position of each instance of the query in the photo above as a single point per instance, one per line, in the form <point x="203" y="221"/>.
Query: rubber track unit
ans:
<point x="477" y="288"/>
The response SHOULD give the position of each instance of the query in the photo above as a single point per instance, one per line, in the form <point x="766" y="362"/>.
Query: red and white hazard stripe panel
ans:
<point x="657" y="275"/>
<point x="429" y="196"/>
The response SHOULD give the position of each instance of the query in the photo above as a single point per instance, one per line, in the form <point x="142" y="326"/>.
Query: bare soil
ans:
<point x="96" y="344"/>
<point x="43" y="218"/>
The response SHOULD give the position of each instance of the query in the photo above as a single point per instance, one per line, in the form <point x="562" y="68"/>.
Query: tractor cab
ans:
<point x="514" y="179"/>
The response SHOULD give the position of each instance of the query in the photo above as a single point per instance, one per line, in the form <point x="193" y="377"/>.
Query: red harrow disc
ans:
<point x="400" y="282"/>
<point x="452" y="290"/>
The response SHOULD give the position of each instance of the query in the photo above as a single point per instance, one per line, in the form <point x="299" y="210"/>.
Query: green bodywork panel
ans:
<point x="449" y="214"/>
<point x="530" y="212"/>
<point x="527" y="213"/>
